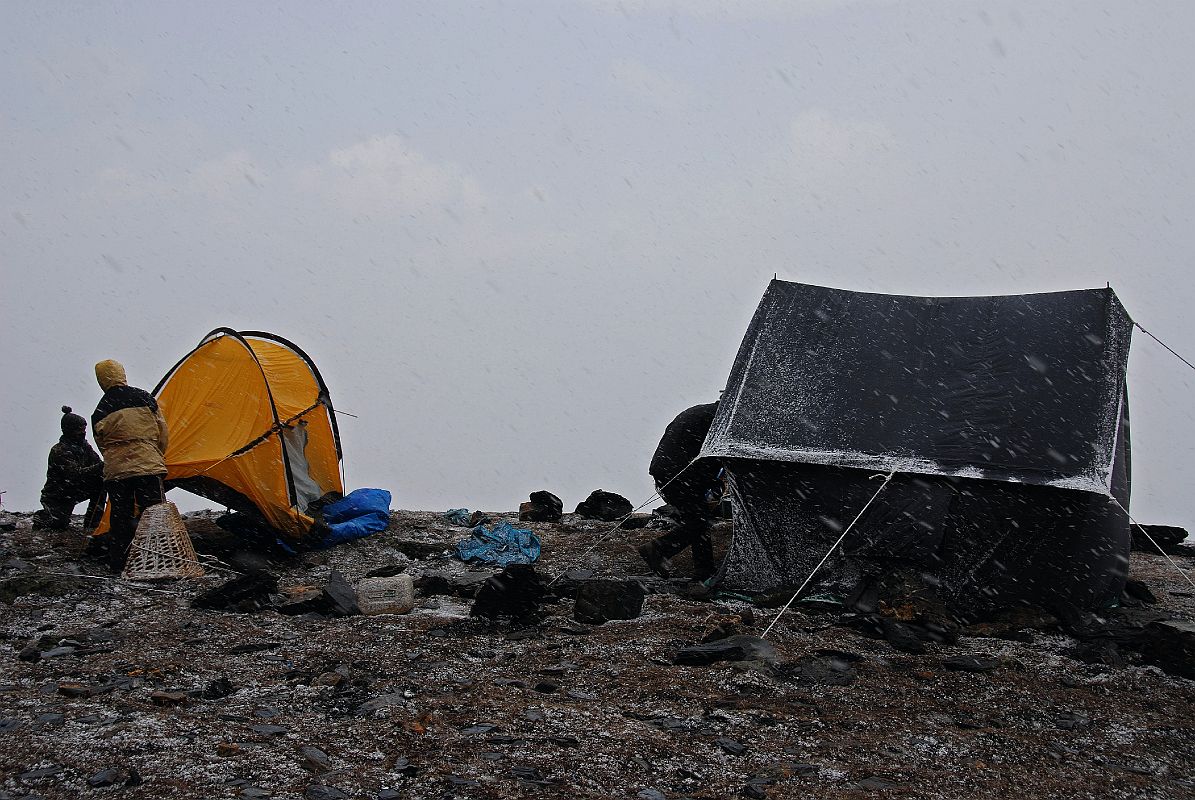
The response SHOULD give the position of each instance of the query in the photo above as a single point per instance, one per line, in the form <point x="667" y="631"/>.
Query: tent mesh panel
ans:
<point x="161" y="548"/>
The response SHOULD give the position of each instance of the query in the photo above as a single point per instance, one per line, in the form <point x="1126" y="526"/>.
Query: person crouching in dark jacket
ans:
<point x="692" y="487"/>
<point x="74" y="473"/>
<point x="131" y="434"/>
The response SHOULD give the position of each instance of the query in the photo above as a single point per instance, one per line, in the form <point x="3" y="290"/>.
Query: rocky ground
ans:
<point x="110" y="688"/>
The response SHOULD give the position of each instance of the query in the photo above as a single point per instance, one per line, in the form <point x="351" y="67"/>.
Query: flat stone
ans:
<point x="730" y="746"/>
<point x="168" y="698"/>
<point x="59" y="652"/>
<point x="733" y="648"/>
<point x="378" y="703"/>
<point x="971" y="663"/>
<point x="315" y="759"/>
<point x="318" y="791"/>
<point x="269" y="730"/>
<point x="342" y="594"/>
<point x="106" y="777"/>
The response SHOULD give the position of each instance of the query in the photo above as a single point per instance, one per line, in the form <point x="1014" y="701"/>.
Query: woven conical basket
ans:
<point x="161" y="549"/>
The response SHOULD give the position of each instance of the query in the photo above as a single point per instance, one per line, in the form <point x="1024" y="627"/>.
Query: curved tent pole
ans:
<point x="212" y="336"/>
<point x="325" y="395"/>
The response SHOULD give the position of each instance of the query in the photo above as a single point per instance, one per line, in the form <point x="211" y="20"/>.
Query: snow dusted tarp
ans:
<point x="1005" y="419"/>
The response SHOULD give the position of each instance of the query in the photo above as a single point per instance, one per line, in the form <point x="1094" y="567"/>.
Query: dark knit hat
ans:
<point x="72" y="423"/>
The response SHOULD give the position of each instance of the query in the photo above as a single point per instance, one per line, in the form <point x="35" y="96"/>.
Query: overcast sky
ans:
<point x="518" y="237"/>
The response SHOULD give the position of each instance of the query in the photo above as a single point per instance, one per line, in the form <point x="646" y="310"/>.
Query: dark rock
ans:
<point x="52" y="719"/>
<point x="269" y="730"/>
<point x="1167" y="537"/>
<point x="40" y="773"/>
<point x="755" y="792"/>
<point x="820" y="670"/>
<point x="651" y="794"/>
<point x="388" y="571"/>
<point x="404" y="767"/>
<point x="254" y="793"/>
<point x="378" y="703"/>
<point x="874" y="783"/>
<point x="528" y="774"/>
<point x="546" y="687"/>
<point x="479" y="518"/>
<point x="434" y="583"/>
<point x="478" y="730"/>
<point x="71" y="689"/>
<point x="599" y="601"/>
<point x="107" y="777"/>
<point x="311" y="601"/>
<point x="1072" y="720"/>
<point x="734" y="648"/>
<point x="40" y="585"/>
<point x="1170" y="644"/>
<point x="515" y="592"/>
<point x="461" y="783"/>
<point x="218" y="689"/>
<point x="901" y="636"/>
<point x="971" y="663"/>
<point x="605" y="506"/>
<point x="1139" y="591"/>
<point x="1101" y="651"/>
<point x="168" y="698"/>
<point x="242" y="593"/>
<point x="542" y="507"/>
<point x="266" y="712"/>
<point x="730" y="746"/>
<point x="10" y="725"/>
<point x="565" y="741"/>
<point x="31" y="653"/>
<point x="390" y="794"/>
<point x="315" y="759"/>
<point x="418" y="551"/>
<point x="470" y="583"/>
<point x="318" y="791"/>
<point x="342" y="595"/>
<point x="58" y="652"/>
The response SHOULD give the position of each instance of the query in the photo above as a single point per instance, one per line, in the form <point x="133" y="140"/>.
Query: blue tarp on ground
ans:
<point x="358" y="514"/>
<point x="503" y="545"/>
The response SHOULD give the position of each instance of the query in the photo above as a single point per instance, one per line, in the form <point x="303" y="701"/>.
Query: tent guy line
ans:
<point x="887" y="478"/>
<point x="1186" y="577"/>
<point x="1168" y="347"/>
<point x="617" y="525"/>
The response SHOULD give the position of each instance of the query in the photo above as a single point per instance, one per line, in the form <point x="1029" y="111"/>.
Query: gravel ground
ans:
<point x="138" y="692"/>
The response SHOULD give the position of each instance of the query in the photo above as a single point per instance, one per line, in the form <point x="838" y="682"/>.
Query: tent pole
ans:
<point x="834" y="547"/>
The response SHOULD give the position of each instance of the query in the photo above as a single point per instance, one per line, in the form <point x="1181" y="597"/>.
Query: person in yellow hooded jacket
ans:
<point x="131" y="434"/>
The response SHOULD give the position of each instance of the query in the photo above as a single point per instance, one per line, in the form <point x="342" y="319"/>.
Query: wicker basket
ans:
<point x="161" y="549"/>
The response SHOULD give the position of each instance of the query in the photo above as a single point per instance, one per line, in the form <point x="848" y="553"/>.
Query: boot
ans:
<point x="654" y="559"/>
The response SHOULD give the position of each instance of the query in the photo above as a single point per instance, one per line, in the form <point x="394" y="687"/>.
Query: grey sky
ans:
<point x="518" y="237"/>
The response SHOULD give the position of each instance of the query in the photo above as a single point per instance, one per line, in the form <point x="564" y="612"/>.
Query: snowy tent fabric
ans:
<point x="251" y="427"/>
<point x="1003" y="419"/>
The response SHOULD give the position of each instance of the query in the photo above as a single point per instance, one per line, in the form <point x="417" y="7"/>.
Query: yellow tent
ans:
<point x="251" y="427"/>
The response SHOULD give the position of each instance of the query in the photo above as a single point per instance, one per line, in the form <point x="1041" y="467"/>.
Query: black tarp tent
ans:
<point x="1004" y="421"/>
